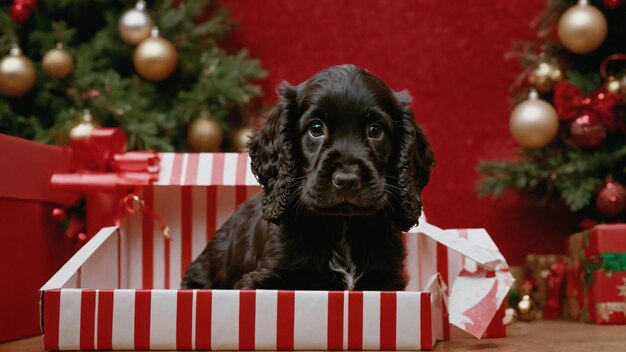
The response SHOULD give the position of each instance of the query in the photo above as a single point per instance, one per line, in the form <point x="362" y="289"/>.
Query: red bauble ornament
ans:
<point x="587" y="223"/>
<point x="611" y="199"/>
<point x="613" y="4"/>
<point x="82" y="237"/>
<point x="59" y="215"/>
<point x="32" y="4"/>
<point x="19" y="12"/>
<point x="587" y="131"/>
<point x="22" y="9"/>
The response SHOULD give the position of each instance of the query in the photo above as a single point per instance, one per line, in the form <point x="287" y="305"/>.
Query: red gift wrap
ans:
<point x="104" y="173"/>
<point x="32" y="244"/>
<point x="596" y="275"/>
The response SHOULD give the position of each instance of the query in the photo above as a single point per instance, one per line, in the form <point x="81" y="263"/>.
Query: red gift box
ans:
<point x="32" y="244"/>
<point x="596" y="275"/>
<point x="120" y="291"/>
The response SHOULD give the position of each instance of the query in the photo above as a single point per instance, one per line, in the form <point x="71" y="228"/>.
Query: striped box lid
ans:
<point x="205" y="169"/>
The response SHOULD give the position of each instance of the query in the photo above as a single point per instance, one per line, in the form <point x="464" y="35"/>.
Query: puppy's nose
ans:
<point x="346" y="181"/>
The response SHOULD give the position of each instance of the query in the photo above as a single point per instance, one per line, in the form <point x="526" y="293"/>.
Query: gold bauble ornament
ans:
<point x="17" y="74"/>
<point x="545" y="75"/>
<point x="204" y="134"/>
<point x="240" y="138"/>
<point x="57" y="63"/>
<point x="135" y="24"/>
<point x="155" y="58"/>
<point x="582" y="28"/>
<point x="84" y="128"/>
<point x="613" y="86"/>
<point x="534" y="122"/>
<point x="526" y="309"/>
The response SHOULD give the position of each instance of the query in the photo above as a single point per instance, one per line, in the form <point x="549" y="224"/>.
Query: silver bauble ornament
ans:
<point x="534" y="122"/>
<point x="582" y="28"/>
<point x="135" y="24"/>
<point x="84" y="128"/>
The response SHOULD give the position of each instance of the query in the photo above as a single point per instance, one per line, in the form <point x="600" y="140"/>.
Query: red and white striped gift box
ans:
<point x="85" y="307"/>
<point x="120" y="290"/>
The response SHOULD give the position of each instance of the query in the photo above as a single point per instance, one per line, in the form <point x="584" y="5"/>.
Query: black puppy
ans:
<point x="342" y="164"/>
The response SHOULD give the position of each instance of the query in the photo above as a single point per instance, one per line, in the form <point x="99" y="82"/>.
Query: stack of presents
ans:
<point x="587" y="284"/>
<point x="148" y="215"/>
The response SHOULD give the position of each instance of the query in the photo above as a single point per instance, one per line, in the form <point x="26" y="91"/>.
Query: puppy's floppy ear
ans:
<point x="415" y="160"/>
<point x="272" y="154"/>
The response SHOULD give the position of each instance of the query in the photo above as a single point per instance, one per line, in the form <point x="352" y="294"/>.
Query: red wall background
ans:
<point x="450" y="56"/>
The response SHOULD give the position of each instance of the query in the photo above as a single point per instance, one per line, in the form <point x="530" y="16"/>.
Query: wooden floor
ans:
<point x="523" y="337"/>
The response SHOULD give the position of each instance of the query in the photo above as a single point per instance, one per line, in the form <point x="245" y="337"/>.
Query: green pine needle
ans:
<point x="155" y="115"/>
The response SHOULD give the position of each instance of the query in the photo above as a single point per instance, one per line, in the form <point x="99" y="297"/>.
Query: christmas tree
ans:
<point x="155" y="70"/>
<point x="571" y="124"/>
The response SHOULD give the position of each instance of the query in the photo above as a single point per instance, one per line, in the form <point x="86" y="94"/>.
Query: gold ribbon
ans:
<point x="132" y="204"/>
<point x="603" y="310"/>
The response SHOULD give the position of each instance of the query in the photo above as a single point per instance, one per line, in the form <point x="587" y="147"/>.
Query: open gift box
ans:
<point x="120" y="290"/>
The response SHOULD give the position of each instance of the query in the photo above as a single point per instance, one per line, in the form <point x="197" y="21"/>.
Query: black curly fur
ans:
<point x="272" y="155"/>
<point x="290" y="237"/>
<point x="415" y="160"/>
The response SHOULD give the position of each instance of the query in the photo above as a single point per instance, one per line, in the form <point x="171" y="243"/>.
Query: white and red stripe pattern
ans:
<point x="205" y="169"/>
<point x="84" y="307"/>
<point x="120" y="290"/>
<point x="88" y="319"/>
<point x="468" y="261"/>
<point x="193" y="215"/>
<point x="195" y="194"/>
<point x="427" y="257"/>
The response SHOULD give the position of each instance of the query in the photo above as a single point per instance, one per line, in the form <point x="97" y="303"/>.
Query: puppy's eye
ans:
<point x="374" y="131"/>
<point x="316" y="129"/>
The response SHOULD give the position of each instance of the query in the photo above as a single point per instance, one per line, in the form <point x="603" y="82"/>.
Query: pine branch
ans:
<point x="154" y="115"/>
<point x="572" y="174"/>
<point x="578" y="193"/>
<point x="587" y="81"/>
<point x="518" y="174"/>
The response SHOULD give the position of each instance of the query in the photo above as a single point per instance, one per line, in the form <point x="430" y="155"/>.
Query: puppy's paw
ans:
<point x="259" y="279"/>
<point x="244" y="284"/>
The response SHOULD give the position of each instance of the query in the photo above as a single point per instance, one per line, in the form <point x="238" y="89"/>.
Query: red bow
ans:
<point x="570" y="103"/>
<point x="102" y="165"/>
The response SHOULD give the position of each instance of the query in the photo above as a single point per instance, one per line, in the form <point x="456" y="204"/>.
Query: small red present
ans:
<point x="596" y="275"/>
<point x="32" y="243"/>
